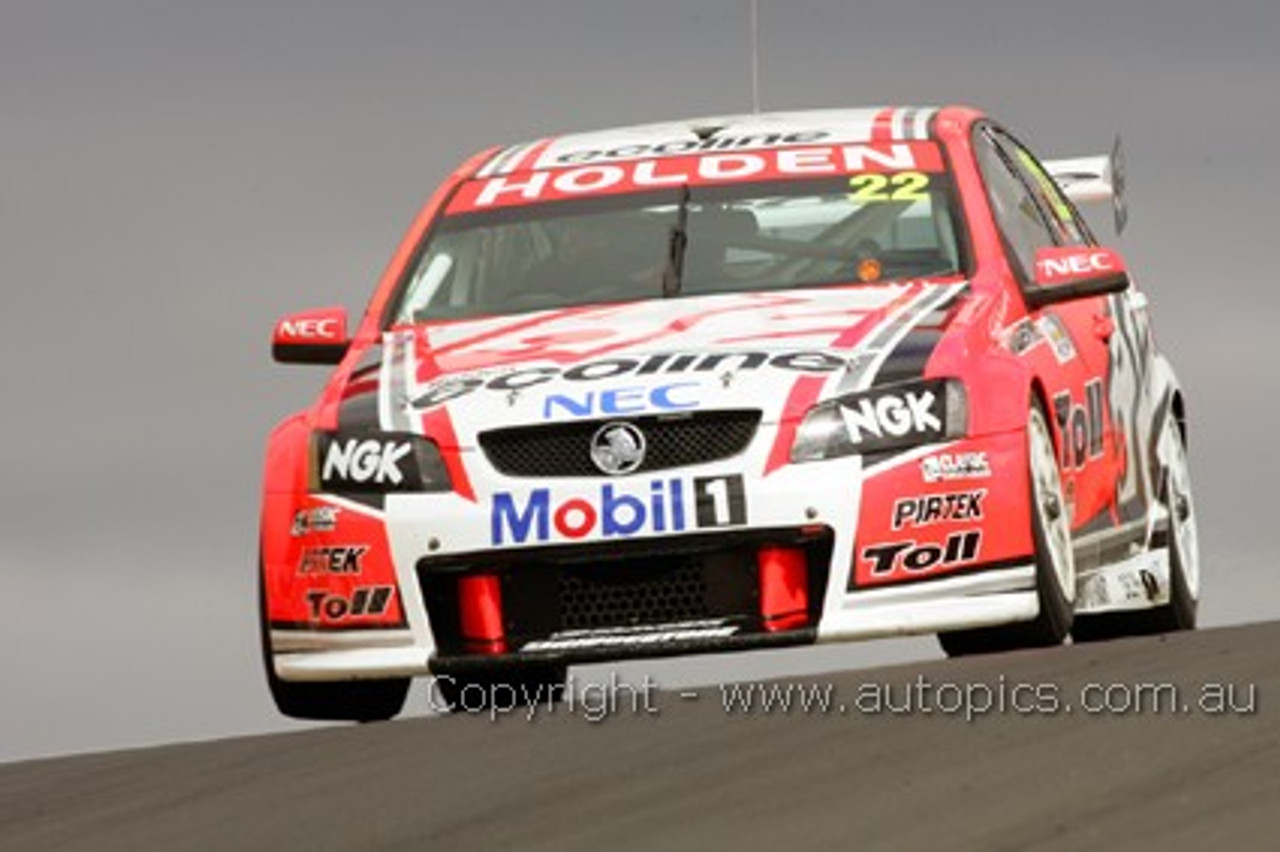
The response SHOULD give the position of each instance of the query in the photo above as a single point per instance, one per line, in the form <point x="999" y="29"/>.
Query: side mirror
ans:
<point x="311" y="337"/>
<point x="1064" y="274"/>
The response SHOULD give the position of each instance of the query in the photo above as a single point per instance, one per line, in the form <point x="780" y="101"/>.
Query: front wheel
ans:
<point x="1054" y="559"/>
<point x="334" y="701"/>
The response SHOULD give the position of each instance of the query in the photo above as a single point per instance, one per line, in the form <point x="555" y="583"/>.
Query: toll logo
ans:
<point x="619" y="510"/>
<point x="337" y="607"/>
<point x="915" y="559"/>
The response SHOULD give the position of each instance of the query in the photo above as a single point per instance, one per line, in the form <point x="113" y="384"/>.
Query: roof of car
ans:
<point x="716" y="133"/>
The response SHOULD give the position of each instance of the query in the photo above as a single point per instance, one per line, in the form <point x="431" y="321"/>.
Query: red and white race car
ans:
<point x="722" y="384"/>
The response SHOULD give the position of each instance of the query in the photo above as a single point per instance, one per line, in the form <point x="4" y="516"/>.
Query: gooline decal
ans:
<point x="619" y="510"/>
<point x="664" y="364"/>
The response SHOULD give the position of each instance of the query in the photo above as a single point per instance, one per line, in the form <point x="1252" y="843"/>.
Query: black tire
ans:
<point x="532" y="684"/>
<point x="1053" y="622"/>
<point x="334" y="701"/>
<point x="1180" y="612"/>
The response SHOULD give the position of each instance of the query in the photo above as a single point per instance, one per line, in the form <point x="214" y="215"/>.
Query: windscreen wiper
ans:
<point x="674" y="273"/>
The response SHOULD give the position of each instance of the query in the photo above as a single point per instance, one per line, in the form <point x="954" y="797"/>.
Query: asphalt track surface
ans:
<point x="692" y="776"/>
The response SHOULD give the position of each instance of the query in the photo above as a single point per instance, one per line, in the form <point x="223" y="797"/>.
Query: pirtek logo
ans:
<point x="364" y="462"/>
<point x="336" y="559"/>
<point x="891" y="415"/>
<point x="923" y="511"/>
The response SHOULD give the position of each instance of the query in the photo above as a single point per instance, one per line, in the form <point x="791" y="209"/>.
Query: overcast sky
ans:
<point x="174" y="175"/>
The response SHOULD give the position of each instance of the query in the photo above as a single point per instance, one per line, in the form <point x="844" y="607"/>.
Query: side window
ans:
<point x="1067" y="224"/>
<point x="1016" y="212"/>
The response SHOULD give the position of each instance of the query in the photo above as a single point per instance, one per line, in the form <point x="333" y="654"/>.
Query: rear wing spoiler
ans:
<point x="1093" y="179"/>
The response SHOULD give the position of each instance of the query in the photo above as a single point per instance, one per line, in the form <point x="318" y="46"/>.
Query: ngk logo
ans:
<point x="892" y="415"/>
<point x="365" y="462"/>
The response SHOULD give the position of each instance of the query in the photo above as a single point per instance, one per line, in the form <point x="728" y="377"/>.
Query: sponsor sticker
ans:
<point x="640" y="635"/>
<point x="337" y="607"/>
<point x="705" y="167"/>
<point x="449" y="388"/>
<point x="674" y="396"/>
<point x="320" y="519"/>
<point x="945" y="467"/>
<point x="885" y="417"/>
<point x="1080" y="425"/>
<point x="915" y="559"/>
<point x="1060" y="342"/>
<point x="938" y="508"/>
<point x="333" y="559"/>
<point x="366" y="462"/>
<point x="618" y="510"/>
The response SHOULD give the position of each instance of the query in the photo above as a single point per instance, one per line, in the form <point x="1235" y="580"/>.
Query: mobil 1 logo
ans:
<point x="619" y="509"/>
<point x="719" y="501"/>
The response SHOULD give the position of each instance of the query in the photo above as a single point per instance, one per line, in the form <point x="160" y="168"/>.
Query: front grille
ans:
<point x="620" y="585"/>
<point x="607" y="596"/>
<point x="564" y="449"/>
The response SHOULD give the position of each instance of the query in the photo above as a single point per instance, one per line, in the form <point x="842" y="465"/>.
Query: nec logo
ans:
<point x="1076" y="264"/>
<point x="310" y="329"/>
<point x="1059" y="265"/>
<point x="364" y="462"/>
<point x="677" y="396"/>
<point x="892" y="415"/>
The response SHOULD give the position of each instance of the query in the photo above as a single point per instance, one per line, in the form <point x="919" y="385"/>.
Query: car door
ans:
<point x="1065" y="343"/>
<point x="1124" y="359"/>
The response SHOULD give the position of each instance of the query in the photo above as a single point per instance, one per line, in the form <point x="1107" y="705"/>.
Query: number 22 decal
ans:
<point x="903" y="186"/>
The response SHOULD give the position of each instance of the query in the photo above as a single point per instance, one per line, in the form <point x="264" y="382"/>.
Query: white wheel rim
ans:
<point x="1183" y="534"/>
<point x="1049" y="505"/>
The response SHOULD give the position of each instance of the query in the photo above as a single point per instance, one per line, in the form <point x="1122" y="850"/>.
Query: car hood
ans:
<point x="777" y="353"/>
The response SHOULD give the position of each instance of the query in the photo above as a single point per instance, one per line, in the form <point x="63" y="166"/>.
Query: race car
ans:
<point x="724" y="384"/>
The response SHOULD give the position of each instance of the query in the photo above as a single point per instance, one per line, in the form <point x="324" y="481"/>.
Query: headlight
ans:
<point x="884" y="418"/>
<point x="377" y="462"/>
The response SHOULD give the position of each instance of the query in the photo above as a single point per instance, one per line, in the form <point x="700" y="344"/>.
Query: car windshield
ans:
<point x="867" y="229"/>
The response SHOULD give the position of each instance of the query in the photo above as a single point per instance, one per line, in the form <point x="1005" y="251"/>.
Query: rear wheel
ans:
<point x="1184" y="556"/>
<point x="333" y="701"/>
<point x="1054" y="559"/>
